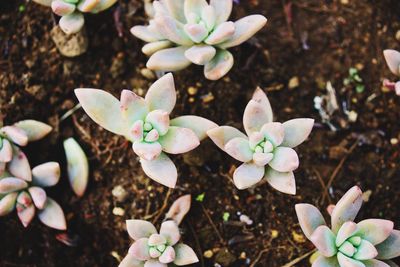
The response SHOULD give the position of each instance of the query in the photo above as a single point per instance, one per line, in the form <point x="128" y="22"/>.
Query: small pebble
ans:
<point x="243" y="255"/>
<point x="208" y="98"/>
<point x="394" y="141"/>
<point x="192" y="90"/>
<point x="245" y="219"/>
<point x="299" y="238"/>
<point x="366" y="195"/>
<point x="148" y="74"/>
<point x="208" y="254"/>
<point x="294" y="82"/>
<point x="119" y="193"/>
<point x="274" y="234"/>
<point x="118" y="211"/>
<point x="352" y="115"/>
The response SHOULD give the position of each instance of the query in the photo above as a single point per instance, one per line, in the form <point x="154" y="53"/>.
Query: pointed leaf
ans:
<point x="392" y="58"/>
<point x="62" y="8"/>
<point x="130" y="261"/>
<point x="6" y="151"/>
<point x="140" y="249"/>
<point x="197" y="124"/>
<point x="12" y="184"/>
<point x="47" y="174"/>
<point x="7" y="203"/>
<point x="194" y="6"/>
<point x="375" y="263"/>
<point x="347" y="208"/>
<point x="365" y="251"/>
<point x="310" y="218"/>
<point x="390" y="248"/>
<point x="162" y="95"/>
<point x="184" y="255"/>
<point x="179" y="140"/>
<point x="138" y="229"/>
<point x="147" y="151"/>
<point x="172" y="30"/>
<point x="170" y="59"/>
<point x="19" y="166"/>
<point x="245" y="28"/>
<point x="103" y="5"/>
<point x="239" y="148"/>
<point x="262" y="159"/>
<point x="15" y="135"/>
<point x="274" y="132"/>
<point x="78" y="166"/>
<point x="43" y="2"/>
<point x="175" y="9"/>
<point x="322" y="261"/>
<point x="179" y="209"/>
<point x="52" y="215"/>
<point x="146" y="34"/>
<point x="223" y="9"/>
<point x="375" y="230"/>
<point x="255" y="116"/>
<point x="133" y="107"/>
<point x="200" y="54"/>
<point x="324" y="239"/>
<point x="347" y="230"/>
<point x="196" y="32"/>
<point x="161" y="170"/>
<point x="168" y="255"/>
<point x="345" y="261"/>
<point x="223" y="134"/>
<point x="222" y="33"/>
<point x="87" y="5"/>
<point x="159" y="119"/>
<point x="72" y="23"/>
<point x="285" y="160"/>
<point x="39" y="196"/>
<point x="220" y="65"/>
<point x="247" y="175"/>
<point x="169" y="229"/>
<point x="282" y="181"/>
<point x="208" y="16"/>
<point x="260" y="97"/>
<point x="150" y="48"/>
<point x="103" y="108"/>
<point x="25" y="211"/>
<point x="35" y="130"/>
<point x="297" y="131"/>
<point x="154" y="263"/>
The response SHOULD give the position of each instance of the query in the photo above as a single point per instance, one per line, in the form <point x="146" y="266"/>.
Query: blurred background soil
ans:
<point x="306" y="44"/>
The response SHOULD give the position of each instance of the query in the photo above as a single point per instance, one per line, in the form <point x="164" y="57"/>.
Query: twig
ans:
<point x="213" y="225"/>
<point x="338" y="168"/>
<point x="196" y="240"/>
<point x="321" y="181"/>
<point x="260" y="254"/>
<point x="299" y="259"/>
<point x="70" y="112"/>
<point x="163" y="207"/>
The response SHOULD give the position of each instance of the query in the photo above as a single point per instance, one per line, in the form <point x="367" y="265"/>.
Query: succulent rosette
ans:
<point x="182" y="32"/>
<point x="153" y="249"/>
<point x="19" y="134"/>
<point x="71" y="11"/>
<point x="23" y="189"/>
<point x="146" y="123"/>
<point x="267" y="149"/>
<point x="392" y="58"/>
<point x="368" y="243"/>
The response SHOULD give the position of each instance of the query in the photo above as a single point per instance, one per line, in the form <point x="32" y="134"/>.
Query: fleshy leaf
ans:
<point x="39" y="196"/>
<point x="197" y="124"/>
<point x="282" y="181"/>
<point x="285" y="160"/>
<point x="196" y="32"/>
<point x="150" y="48"/>
<point x="239" y="149"/>
<point x="78" y="166"/>
<point x="102" y="5"/>
<point x="200" y="54"/>
<point x="159" y="119"/>
<point x="147" y="151"/>
<point x="154" y="263"/>
<point x="260" y="97"/>
<point x="392" y="58"/>
<point x="87" y="5"/>
<point x="6" y="151"/>
<point x="255" y="116"/>
<point x="223" y="9"/>
<point x="179" y="209"/>
<point x="347" y="230"/>
<point x="170" y="59"/>
<point x="347" y="208"/>
<point x="104" y="109"/>
<point x="324" y="239"/>
<point x="62" y="8"/>
<point x="35" y="130"/>
<point x="161" y="170"/>
<point x="133" y="107"/>
<point x="345" y="261"/>
<point x="245" y="28"/>
<point x="172" y="30"/>
<point x="146" y="34"/>
<point x="12" y="184"/>
<point x="7" y="203"/>
<point x="140" y="229"/>
<point x="15" y="134"/>
<point x="208" y="16"/>
<point x="262" y="159"/>
<point x="274" y="132"/>
<point x="247" y="175"/>
<point x="390" y="248"/>
<point x="19" y="166"/>
<point x="47" y="174"/>
<point x="72" y="23"/>
<point x="168" y="255"/>
<point x="43" y="2"/>
<point x="162" y="95"/>
<point x="175" y="8"/>
<point x="222" y="33"/>
<point x="375" y="230"/>
<point x="140" y="249"/>
<point x="310" y="218"/>
<point x="322" y="261"/>
<point x="184" y="255"/>
<point x="25" y="208"/>
<point x="365" y="251"/>
<point x="220" y="65"/>
<point x="156" y="239"/>
<point x="194" y="6"/>
<point x="179" y="140"/>
<point x="375" y="263"/>
<point x="297" y="131"/>
<point x="131" y="261"/>
<point x="223" y="134"/>
<point x="169" y="229"/>
<point x="52" y="215"/>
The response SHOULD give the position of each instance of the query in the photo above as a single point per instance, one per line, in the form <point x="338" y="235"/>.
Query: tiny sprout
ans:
<point x="226" y="216"/>
<point x="369" y="243"/>
<point x="200" y="197"/>
<point x="146" y="123"/>
<point x="78" y="166"/>
<point x="355" y="80"/>
<point x="182" y="32"/>
<point x="267" y="149"/>
<point x="392" y="58"/>
<point x="160" y="249"/>
<point x="71" y="11"/>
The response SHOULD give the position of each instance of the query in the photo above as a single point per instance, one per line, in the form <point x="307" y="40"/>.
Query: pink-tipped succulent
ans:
<point x="71" y="11"/>
<point x="22" y="189"/>
<point x="182" y="32"/>
<point x="146" y="123"/>
<point x="392" y="58"/>
<point x="153" y="249"/>
<point x="369" y="243"/>
<point x="267" y="149"/>
<point x="19" y="134"/>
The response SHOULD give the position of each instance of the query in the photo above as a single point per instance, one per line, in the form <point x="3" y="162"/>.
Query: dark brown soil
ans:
<point x="36" y="82"/>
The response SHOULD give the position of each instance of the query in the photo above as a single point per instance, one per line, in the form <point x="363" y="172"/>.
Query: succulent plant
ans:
<point x="267" y="149"/>
<point x="146" y="123"/>
<point x="368" y="243"/>
<point x="71" y="11"/>
<point x="182" y="32"/>
<point x="392" y="58"/>
<point x="22" y="189"/>
<point x="19" y="134"/>
<point x="153" y="249"/>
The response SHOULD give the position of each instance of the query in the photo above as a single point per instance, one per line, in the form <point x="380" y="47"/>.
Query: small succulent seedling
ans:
<point x="393" y="61"/>
<point x="267" y="149"/>
<point x="369" y="243"/>
<point x="153" y="249"/>
<point x="146" y="123"/>
<point x="71" y="11"/>
<point x="22" y="189"/>
<point x="182" y="32"/>
<point x="78" y="166"/>
<point x="354" y="80"/>
<point x="19" y="134"/>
